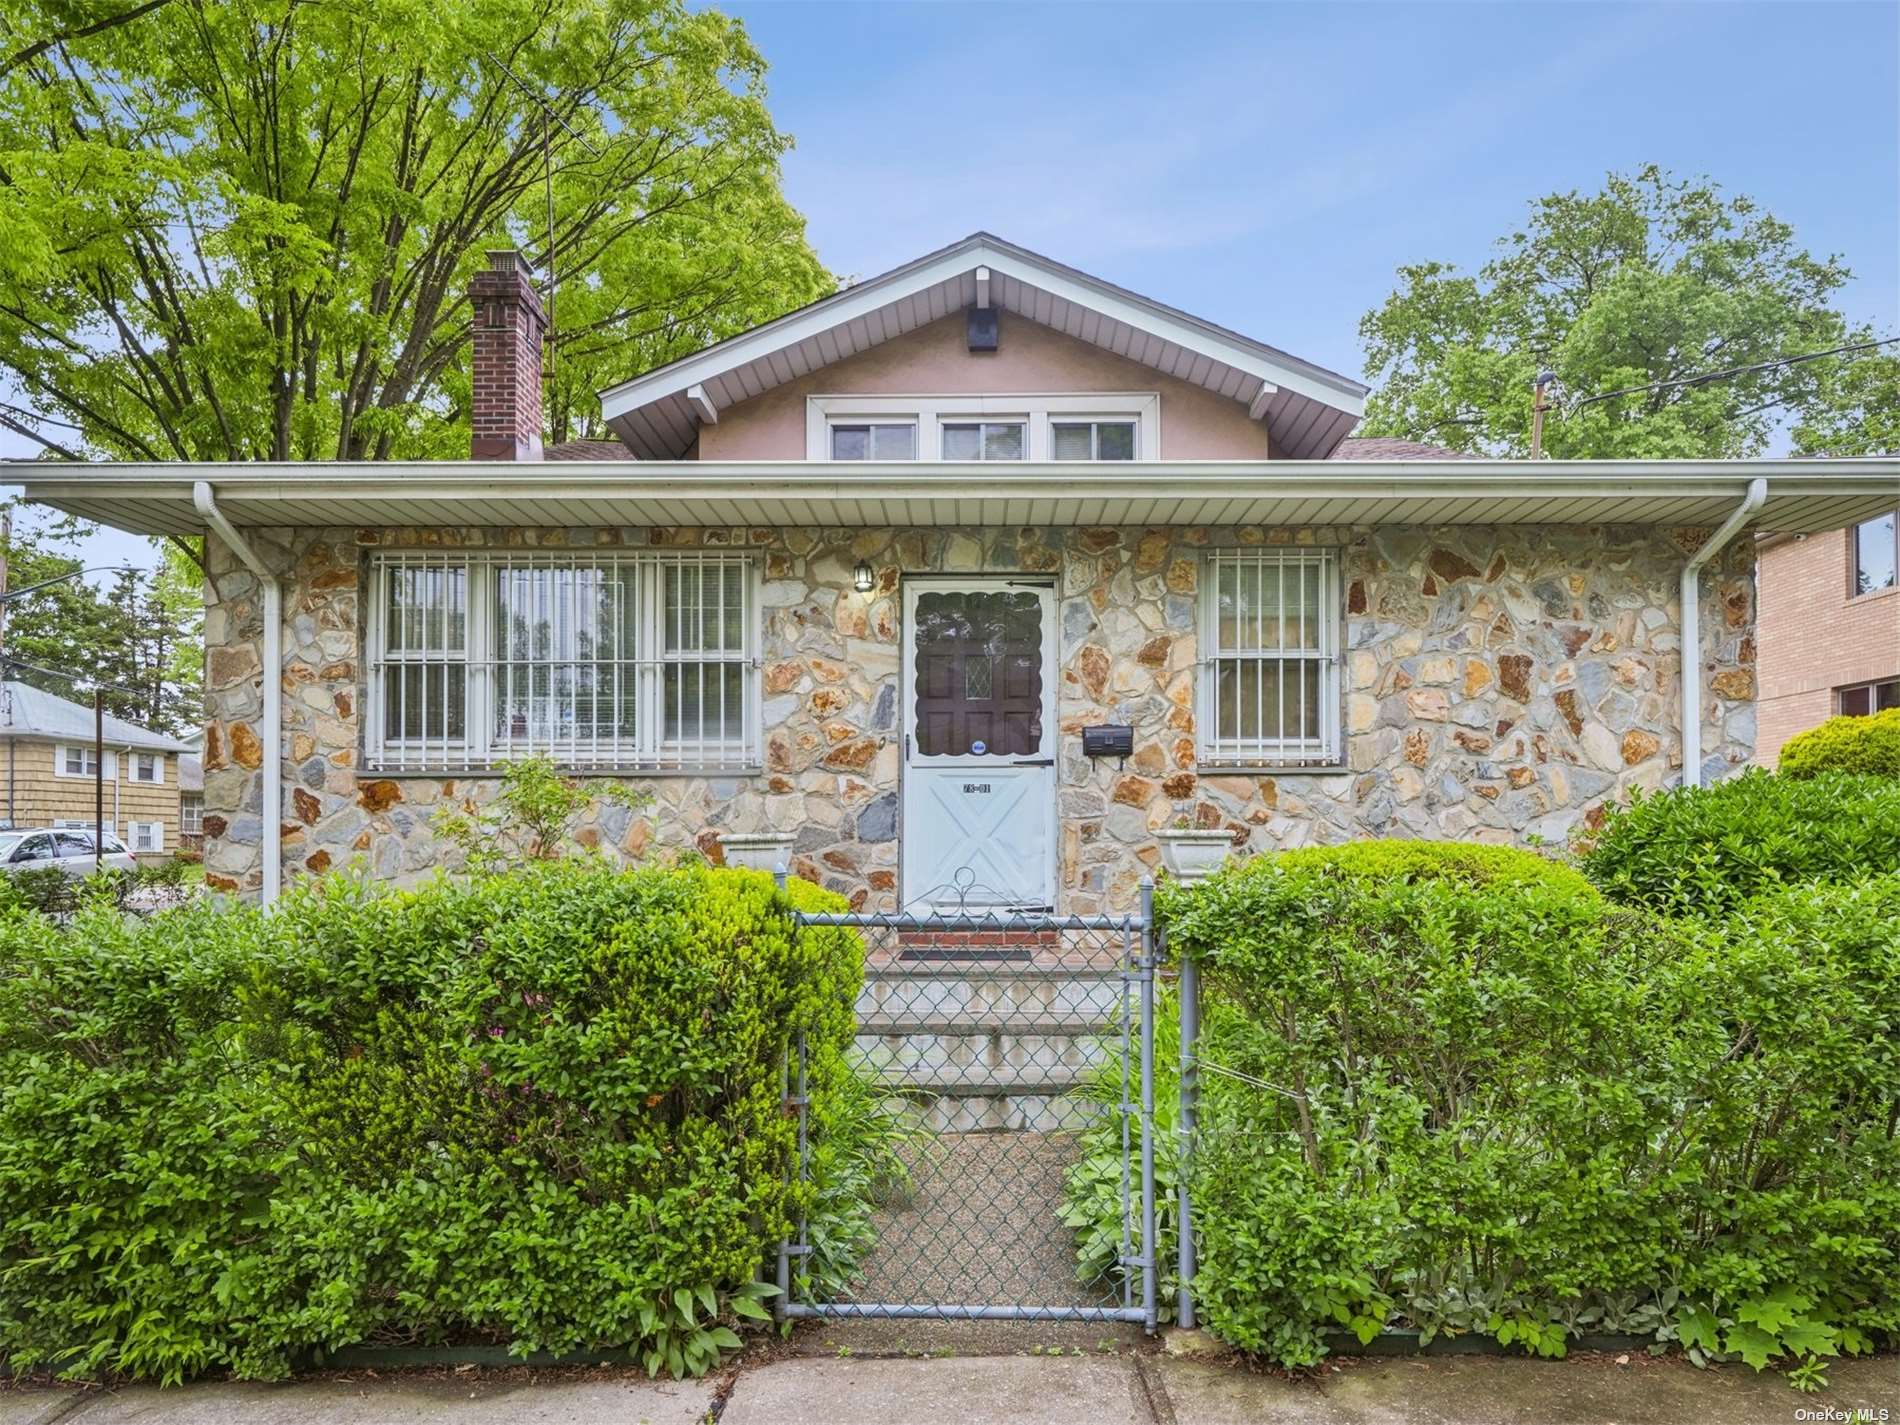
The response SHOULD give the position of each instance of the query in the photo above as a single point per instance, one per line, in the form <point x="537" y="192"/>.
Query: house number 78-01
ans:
<point x="976" y="786"/>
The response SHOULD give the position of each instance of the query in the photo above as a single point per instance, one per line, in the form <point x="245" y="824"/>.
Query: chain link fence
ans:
<point x="1008" y="1046"/>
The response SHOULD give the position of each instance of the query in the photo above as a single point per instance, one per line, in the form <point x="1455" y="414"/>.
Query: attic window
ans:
<point x="885" y="440"/>
<point x="1092" y="440"/>
<point x="984" y="440"/>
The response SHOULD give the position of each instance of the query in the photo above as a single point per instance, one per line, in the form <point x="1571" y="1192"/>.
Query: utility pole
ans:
<point x="98" y="777"/>
<point x="1538" y="406"/>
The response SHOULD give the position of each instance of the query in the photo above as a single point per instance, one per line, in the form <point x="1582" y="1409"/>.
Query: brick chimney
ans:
<point x="509" y="320"/>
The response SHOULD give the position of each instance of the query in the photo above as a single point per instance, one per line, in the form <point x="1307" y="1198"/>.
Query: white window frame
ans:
<point x="933" y="412"/>
<point x="904" y="420"/>
<point x="134" y="831"/>
<point x="1871" y="688"/>
<point x="191" y="814"/>
<point x="649" y="752"/>
<point x="1094" y="425"/>
<point x="1854" y="590"/>
<point x="947" y="423"/>
<point x="84" y="752"/>
<point x="1322" y="747"/>
<point x="135" y="767"/>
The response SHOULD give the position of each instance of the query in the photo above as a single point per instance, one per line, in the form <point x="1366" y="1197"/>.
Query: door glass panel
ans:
<point x="978" y="673"/>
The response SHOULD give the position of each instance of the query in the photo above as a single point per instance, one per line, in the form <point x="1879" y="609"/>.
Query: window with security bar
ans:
<point x="638" y="662"/>
<point x="1268" y="689"/>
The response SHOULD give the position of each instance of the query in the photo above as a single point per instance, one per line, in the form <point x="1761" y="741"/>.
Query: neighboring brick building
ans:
<point x="1830" y="628"/>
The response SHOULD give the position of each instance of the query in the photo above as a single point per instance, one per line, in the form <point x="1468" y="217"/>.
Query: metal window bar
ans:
<point x="638" y="662"/>
<point x="1270" y="664"/>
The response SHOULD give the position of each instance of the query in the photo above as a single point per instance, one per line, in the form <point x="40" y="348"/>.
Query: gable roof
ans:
<point x="1307" y="408"/>
<point x="34" y="712"/>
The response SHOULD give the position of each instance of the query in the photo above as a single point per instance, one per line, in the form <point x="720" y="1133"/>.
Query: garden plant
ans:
<point x="1459" y="1089"/>
<point x="540" y="1108"/>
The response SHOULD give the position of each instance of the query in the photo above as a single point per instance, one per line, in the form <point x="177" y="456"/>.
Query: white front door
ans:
<point x="979" y="700"/>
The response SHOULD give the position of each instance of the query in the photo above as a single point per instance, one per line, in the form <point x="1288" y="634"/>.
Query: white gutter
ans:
<point x="273" y="733"/>
<point x="1691" y="600"/>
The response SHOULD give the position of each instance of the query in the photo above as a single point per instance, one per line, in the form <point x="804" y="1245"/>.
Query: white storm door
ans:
<point x="978" y="690"/>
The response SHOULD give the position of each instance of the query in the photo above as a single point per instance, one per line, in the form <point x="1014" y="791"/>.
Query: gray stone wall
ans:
<point x="1500" y="684"/>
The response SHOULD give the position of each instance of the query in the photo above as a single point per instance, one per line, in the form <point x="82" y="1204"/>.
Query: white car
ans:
<point x="62" y="848"/>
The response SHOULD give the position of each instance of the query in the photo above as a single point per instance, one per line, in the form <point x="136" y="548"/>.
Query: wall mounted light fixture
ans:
<point x="862" y="579"/>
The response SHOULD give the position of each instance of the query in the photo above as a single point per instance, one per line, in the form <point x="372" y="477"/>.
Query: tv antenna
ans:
<point x="548" y="120"/>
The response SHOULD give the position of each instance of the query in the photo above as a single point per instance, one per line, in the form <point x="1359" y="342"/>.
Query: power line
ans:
<point x="1708" y="376"/>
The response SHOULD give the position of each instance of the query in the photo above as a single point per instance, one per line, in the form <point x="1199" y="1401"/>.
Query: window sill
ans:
<point x="1872" y="594"/>
<point x="1257" y="769"/>
<point x="495" y="769"/>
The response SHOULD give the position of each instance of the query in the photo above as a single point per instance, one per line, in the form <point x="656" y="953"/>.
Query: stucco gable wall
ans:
<point x="936" y="360"/>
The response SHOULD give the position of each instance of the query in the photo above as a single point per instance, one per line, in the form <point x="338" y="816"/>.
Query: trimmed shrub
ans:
<point x="1708" y="849"/>
<point x="1865" y="745"/>
<point x="1415" y="861"/>
<point x="1509" y="1108"/>
<point x="540" y="1108"/>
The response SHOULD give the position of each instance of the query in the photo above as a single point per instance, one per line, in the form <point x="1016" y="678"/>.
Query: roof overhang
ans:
<point x="1803" y="495"/>
<point x="1308" y="409"/>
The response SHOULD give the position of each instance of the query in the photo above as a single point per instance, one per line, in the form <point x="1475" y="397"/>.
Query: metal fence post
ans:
<point x="1151" y="1257"/>
<point x="1189" y="990"/>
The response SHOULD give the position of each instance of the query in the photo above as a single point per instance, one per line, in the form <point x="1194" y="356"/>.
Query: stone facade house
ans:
<point x="982" y="572"/>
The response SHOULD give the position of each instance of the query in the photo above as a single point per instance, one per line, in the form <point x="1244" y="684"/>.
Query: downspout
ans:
<point x="273" y="737"/>
<point x="1691" y="600"/>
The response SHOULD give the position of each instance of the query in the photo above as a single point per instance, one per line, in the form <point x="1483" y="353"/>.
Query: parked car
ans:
<point x="62" y="848"/>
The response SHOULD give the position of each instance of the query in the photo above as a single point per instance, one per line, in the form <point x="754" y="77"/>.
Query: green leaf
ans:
<point x="1699" y="1328"/>
<point x="1752" y="1344"/>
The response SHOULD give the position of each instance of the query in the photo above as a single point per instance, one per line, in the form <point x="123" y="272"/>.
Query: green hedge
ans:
<point x="1507" y="1107"/>
<point x="541" y="1108"/>
<point x="1708" y="849"/>
<point x="1868" y="745"/>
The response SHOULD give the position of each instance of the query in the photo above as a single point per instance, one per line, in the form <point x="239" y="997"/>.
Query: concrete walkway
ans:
<point x="1120" y="1388"/>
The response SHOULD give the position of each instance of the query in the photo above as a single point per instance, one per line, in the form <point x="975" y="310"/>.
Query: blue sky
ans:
<point x="1269" y="166"/>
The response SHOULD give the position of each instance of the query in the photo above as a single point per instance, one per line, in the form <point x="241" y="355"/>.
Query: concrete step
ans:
<point x="1002" y="1081"/>
<point x="1060" y="1021"/>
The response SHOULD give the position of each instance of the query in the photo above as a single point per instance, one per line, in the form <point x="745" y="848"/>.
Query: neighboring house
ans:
<point x="51" y="761"/>
<point x="1830" y="626"/>
<point x="191" y="795"/>
<point x="868" y="574"/>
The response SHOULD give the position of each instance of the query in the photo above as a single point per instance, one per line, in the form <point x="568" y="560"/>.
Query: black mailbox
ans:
<point x="1108" y="739"/>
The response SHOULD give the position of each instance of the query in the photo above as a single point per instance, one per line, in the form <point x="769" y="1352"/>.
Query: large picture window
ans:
<point x="639" y="662"/>
<point x="1269" y="672"/>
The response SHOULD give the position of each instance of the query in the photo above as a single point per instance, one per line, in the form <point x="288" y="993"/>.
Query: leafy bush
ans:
<point x="1866" y="745"/>
<point x="1707" y="849"/>
<point x="1508" y="1108"/>
<point x="541" y="1108"/>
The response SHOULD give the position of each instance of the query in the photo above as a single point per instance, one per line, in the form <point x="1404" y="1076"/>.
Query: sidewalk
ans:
<point x="1124" y="1388"/>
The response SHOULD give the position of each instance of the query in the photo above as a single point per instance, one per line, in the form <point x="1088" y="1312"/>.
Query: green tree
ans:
<point x="142" y="633"/>
<point x="244" y="230"/>
<point x="1653" y="279"/>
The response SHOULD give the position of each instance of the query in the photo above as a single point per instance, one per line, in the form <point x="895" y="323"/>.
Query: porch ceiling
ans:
<point x="1804" y="496"/>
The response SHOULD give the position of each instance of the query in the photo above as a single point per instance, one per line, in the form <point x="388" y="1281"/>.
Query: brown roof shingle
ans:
<point x="1380" y="447"/>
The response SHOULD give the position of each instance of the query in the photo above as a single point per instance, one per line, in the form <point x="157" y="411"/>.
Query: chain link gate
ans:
<point x="1006" y="1044"/>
